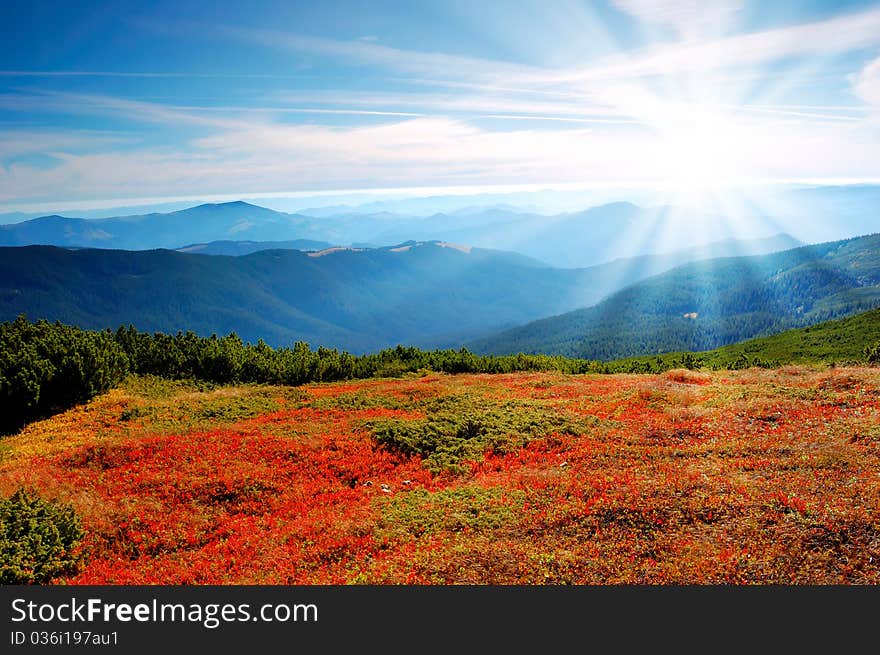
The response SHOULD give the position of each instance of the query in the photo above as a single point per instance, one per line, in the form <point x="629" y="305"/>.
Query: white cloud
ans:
<point x="260" y="157"/>
<point x="365" y="53"/>
<point x="104" y="105"/>
<point x="866" y="83"/>
<point x="689" y="18"/>
<point x="433" y="138"/>
<point x="32" y="142"/>
<point x="498" y="103"/>
<point x="830" y="36"/>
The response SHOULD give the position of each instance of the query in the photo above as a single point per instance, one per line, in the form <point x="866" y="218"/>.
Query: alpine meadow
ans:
<point x="318" y="294"/>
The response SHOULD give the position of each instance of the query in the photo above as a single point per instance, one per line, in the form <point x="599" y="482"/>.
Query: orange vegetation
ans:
<point x="734" y="477"/>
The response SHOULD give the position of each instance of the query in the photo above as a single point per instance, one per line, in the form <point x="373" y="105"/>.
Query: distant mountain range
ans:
<point x="711" y="303"/>
<point x="811" y="213"/>
<point x="205" y="223"/>
<point x="587" y="238"/>
<point x="612" y="281"/>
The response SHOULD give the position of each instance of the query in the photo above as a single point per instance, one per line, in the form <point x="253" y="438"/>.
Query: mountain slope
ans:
<point x="842" y="340"/>
<point x="239" y="248"/>
<point x="711" y="303"/>
<point x="614" y="275"/>
<point x="839" y="340"/>
<point x="417" y="293"/>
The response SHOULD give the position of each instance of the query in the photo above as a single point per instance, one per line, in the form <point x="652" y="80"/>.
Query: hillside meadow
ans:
<point x="732" y="477"/>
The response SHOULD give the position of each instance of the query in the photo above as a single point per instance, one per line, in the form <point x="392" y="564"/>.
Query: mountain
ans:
<point x="711" y="303"/>
<point x="744" y="247"/>
<point x="854" y="208"/>
<point x="578" y="239"/>
<point x="614" y="275"/>
<point x="106" y="212"/>
<point x="200" y="224"/>
<point x="563" y="240"/>
<point x="17" y="217"/>
<point x="357" y="298"/>
<point x="427" y="294"/>
<point x="239" y="248"/>
<point x="571" y="240"/>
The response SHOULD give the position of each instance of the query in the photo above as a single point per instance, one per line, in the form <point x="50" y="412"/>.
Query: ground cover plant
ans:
<point x="747" y="476"/>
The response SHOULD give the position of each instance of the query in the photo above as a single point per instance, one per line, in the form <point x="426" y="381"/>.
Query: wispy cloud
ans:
<point x="105" y="105"/>
<point x="478" y="101"/>
<point x="136" y="74"/>
<point x="371" y="53"/>
<point x="608" y="108"/>
<point x="559" y="119"/>
<point x="824" y="37"/>
<point x="434" y="118"/>
<point x="47" y="142"/>
<point x="838" y="34"/>
<point x="691" y="19"/>
<point x="262" y="157"/>
<point x="596" y="92"/>
<point x="866" y="84"/>
<point x="295" y="110"/>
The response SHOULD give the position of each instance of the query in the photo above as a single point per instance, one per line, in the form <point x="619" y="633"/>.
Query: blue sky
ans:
<point x="113" y="101"/>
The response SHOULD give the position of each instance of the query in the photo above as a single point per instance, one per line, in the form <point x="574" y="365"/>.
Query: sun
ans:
<point x="692" y="141"/>
<point x="701" y="151"/>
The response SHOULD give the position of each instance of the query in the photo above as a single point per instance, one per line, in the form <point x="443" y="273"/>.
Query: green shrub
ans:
<point x="872" y="353"/>
<point x="38" y="539"/>
<point x="357" y="401"/>
<point x="49" y="367"/>
<point x="464" y="427"/>
<point x="46" y="367"/>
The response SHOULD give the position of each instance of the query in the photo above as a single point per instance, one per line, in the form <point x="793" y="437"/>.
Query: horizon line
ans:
<point x="445" y="190"/>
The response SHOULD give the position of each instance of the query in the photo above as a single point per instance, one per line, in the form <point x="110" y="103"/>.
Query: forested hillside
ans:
<point x="711" y="303"/>
<point x="420" y="294"/>
<point x="855" y="339"/>
<point x="429" y="294"/>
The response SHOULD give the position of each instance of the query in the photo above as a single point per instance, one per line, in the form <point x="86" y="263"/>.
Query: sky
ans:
<point x="113" y="102"/>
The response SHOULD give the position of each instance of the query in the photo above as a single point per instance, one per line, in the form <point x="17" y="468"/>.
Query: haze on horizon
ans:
<point x="101" y="103"/>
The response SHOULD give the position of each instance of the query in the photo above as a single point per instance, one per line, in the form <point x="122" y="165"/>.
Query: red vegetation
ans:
<point x="751" y="477"/>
